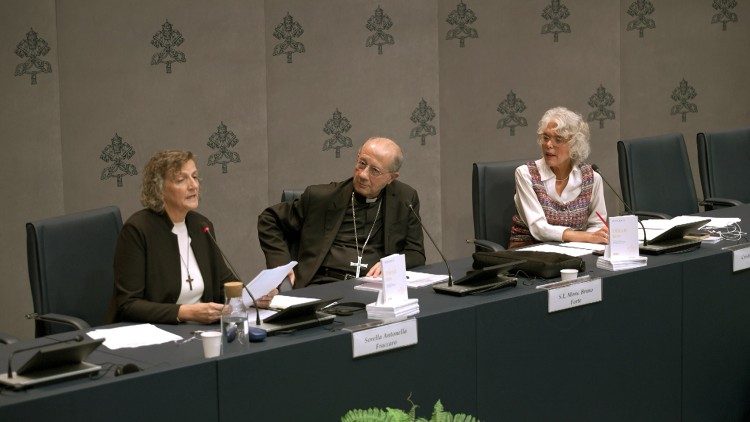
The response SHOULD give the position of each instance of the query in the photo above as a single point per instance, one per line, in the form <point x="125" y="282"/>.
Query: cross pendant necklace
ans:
<point x="359" y="265"/>
<point x="189" y="279"/>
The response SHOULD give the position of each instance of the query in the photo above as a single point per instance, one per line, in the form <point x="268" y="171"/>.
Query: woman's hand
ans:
<point x="600" y="236"/>
<point x="264" y="301"/>
<point x="204" y="313"/>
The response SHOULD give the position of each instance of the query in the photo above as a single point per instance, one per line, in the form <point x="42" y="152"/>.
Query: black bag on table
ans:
<point x="539" y="264"/>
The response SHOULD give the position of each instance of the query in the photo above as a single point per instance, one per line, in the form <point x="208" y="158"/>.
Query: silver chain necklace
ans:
<point x="359" y="263"/>
<point x="187" y="267"/>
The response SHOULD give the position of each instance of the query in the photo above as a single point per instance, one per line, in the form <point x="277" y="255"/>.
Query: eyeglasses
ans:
<point x="557" y="139"/>
<point x="362" y="165"/>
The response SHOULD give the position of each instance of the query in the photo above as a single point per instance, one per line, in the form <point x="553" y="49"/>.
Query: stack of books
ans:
<point x="621" y="263"/>
<point x="406" y="308"/>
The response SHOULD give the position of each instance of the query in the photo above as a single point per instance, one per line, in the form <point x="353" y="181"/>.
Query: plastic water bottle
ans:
<point x="233" y="318"/>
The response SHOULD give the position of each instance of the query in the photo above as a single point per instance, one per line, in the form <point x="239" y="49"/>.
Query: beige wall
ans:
<point x="102" y="83"/>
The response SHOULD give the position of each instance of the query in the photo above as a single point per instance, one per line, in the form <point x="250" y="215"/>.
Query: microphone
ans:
<point x="445" y="261"/>
<point x="257" y="334"/>
<point x="77" y="338"/>
<point x="76" y="323"/>
<point x="627" y="208"/>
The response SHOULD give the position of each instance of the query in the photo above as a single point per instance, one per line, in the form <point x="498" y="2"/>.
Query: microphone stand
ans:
<point x="207" y="230"/>
<point x="622" y="201"/>
<point x="445" y="261"/>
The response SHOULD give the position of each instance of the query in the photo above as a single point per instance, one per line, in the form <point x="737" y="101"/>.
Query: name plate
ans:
<point x="574" y="295"/>
<point x="740" y="256"/>
<point x="384" y="337"/>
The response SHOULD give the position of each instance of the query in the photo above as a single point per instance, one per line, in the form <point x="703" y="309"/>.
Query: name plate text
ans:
<point x="384" y="337"/>
<point x="574" y="295"/>
<point x="740" y="257"/>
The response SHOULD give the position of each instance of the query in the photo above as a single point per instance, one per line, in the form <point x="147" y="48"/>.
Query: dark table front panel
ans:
<point x="319" y="380"/>
<point x="614" y="360"/>
<point x="716" y="346"/>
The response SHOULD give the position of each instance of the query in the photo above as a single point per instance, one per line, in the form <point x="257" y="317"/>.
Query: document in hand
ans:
<point x="266" y="281"/>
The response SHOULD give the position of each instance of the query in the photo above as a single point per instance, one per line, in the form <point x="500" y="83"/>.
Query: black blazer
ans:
<point x="315" y="219"/>
<point x="147" y="267"/>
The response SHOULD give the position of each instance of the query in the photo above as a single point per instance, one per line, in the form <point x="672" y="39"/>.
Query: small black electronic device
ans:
<point x="484" y="280"/>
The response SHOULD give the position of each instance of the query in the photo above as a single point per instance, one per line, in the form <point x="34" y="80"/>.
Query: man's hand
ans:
<point x="376" y="270"/>
<point x="204" y="313"/>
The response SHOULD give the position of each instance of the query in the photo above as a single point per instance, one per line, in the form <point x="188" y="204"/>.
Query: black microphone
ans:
<point x="627" y="208"/>
<point x="260" y="336"/>
<point x="445" y="261"/>
<point x="78" y="338"/>
<point x="50" y="318"/>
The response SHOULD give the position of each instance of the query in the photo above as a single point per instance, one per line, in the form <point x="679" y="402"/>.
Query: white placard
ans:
<point x="394" y="279"/>
<point x="740" y="257"/>
<point x="623" y="237"/>
<point x="574" y="295"/>
<point x="384" y="337"/>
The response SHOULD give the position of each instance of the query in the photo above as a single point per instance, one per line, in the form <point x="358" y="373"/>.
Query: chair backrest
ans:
<point x="71" y="265"/>
<point x="724" y="163"/>
<point x="289" y="195"/>
<point x="655" y="175"/>
<point x="493" y="186"/>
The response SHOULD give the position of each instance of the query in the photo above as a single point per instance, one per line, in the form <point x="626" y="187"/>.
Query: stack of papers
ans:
<point x="414" y="280"/>
<point x="620" y="264"/>
<point x="406" y="308"/>
<point x="655" y="227"/>
<point x="133" y="336"/>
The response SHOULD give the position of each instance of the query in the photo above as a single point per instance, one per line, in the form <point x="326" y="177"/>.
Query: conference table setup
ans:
<point x="668" y="341"/>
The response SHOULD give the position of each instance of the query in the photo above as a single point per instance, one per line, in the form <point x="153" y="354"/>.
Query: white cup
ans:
<point x="568" y="274"/>
<point x="211" y="343"/>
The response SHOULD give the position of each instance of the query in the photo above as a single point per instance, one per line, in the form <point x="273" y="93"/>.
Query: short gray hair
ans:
<point x="569" y="125"/>
<point x="398" y="155"/>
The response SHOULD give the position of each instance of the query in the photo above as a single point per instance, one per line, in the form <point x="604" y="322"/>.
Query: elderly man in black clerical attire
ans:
<point x="344" y="228"/>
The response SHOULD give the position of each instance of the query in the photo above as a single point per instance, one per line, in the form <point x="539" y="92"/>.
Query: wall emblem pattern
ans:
<point x="511" y="108"/>
<point x="555" y="13"/>
<point x="682" y="96"/>
<point x="336" y="127"/>
<point x="461" y="18"/>
<point x="118" y="153"/>
<point x="32" y="48"/>
<point x="641" y="10"/>
<point x="287" y="32"/>
<point x="223" y="140"/>
<point x="599" y="102"/>
<point x="422" y="116"/>
<point x="725" y="15"/>
<point x="379" y="23"/>
<point x="167" y="39"/>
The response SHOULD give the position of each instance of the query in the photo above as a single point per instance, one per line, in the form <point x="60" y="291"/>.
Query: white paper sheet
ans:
<point x="283" y="301"/>
<point x="583" y="245"/>
<point x="266" y="281"/>
<point x="544" y="247"/>
<point x="133" y="336"/>
<point x="414" y="280"/>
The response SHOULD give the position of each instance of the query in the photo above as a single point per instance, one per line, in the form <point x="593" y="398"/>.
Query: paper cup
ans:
<point x="211" y="343"/>
<point x="568" y="274"/>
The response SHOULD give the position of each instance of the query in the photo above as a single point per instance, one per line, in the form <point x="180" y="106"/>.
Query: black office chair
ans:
<point x="723" y="159"/>
<point x="289" y="195"/>
<point x="493" y="186"/>
<point x="655" y="177"/>
<point x="71" y="268"/>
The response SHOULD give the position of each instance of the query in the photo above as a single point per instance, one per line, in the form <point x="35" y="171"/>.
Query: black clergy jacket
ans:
<point x="314" y="219"/>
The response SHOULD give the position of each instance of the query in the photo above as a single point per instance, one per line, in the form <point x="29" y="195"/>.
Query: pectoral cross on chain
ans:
<point x="190" y="281"/>
<point x="359" y="265"/>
